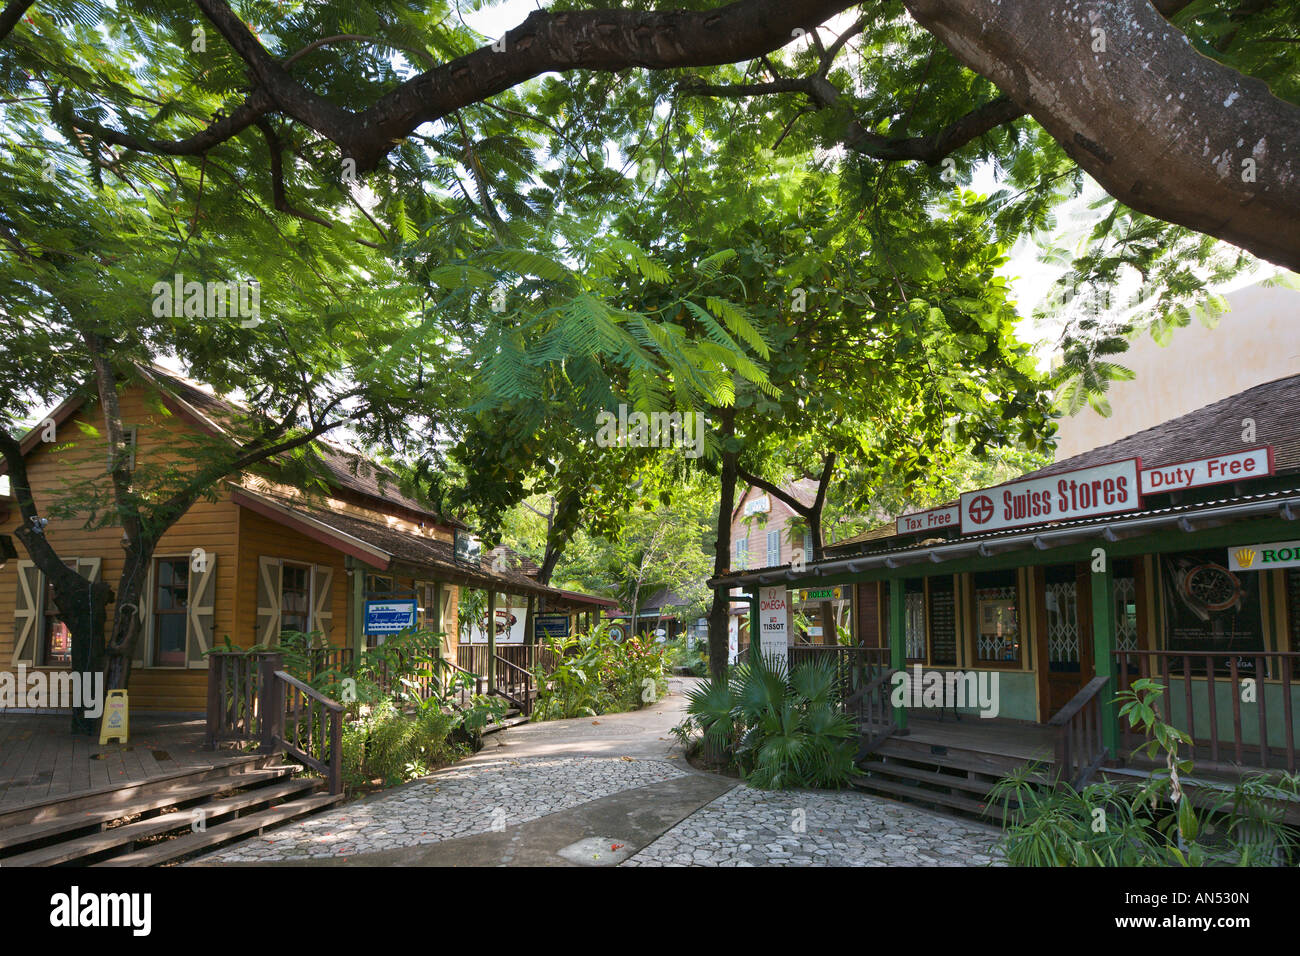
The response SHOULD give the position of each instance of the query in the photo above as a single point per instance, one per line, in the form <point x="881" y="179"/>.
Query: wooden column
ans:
<point x="492" y="639"/>
<point x="357" y="608"/>
<point x="1103" y="648"/>
<point x="898" y="640"/>
<point x="754" y="649"/>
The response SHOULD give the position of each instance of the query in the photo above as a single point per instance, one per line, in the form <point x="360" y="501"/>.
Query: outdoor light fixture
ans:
<point x="38" y="525"/>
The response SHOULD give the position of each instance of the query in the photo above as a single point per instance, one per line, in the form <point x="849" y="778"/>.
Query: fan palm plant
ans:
<point x="781" y="728"/>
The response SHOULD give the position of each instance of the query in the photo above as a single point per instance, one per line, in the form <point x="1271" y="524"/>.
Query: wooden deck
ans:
<point x="40" y="760"/>
<point x="1004" y="738"/>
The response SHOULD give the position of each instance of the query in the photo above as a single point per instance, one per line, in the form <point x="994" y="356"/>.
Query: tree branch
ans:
<point x="12" y="13"/>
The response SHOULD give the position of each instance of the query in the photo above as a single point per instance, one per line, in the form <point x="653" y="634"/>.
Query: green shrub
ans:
<point x="596" y="674"/>
<point x="1153" y="823"/>
<point x="780" y="728"/>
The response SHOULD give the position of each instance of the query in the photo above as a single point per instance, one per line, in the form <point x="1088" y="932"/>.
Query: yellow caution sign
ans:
<point x="117" y="720"/>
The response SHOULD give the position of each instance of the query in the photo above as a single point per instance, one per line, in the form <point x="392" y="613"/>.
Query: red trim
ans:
<point x="310" y="530"/>
<point x="1210" y="484"/>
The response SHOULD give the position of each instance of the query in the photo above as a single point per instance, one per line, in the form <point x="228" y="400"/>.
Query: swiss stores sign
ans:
<point x="1099" y="490"/>
<point x="1083" y="493"/>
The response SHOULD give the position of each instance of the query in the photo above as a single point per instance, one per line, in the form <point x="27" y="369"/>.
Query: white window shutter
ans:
<point x="143" y="656"/>
<point x="269" y="573"/>
<point x="201" y="613"/>
<point x="28" y="604"/>
<point x="322" y="611"/>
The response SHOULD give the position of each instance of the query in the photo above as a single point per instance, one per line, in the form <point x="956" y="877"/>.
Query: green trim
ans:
<point x="1103" y="646"/>
<point x="898" y="640"/>
<point x="1250" y="531"/>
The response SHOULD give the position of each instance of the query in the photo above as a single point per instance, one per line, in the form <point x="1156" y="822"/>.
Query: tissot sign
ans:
<point x="1083" y="493"/>
<point x="1218" y="470"/>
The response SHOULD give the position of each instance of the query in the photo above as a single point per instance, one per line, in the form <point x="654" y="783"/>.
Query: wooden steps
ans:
<point x="251" y="825"/>
<point x="949" y="778"/>
<point x="108" y="827"/>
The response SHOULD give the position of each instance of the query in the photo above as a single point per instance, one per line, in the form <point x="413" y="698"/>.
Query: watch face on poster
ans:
<point x="1209" y="607"/>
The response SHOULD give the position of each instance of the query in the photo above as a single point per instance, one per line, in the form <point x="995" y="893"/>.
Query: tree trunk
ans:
<point x="120" y="648"/>
<point x="1162" y="128"/>
<point x="560" y="526"/>
<point x="720" y="609"/>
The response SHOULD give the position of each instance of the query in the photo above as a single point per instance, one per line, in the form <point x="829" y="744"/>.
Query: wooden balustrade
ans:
<point x="305" y="724"/>
<point x="514" y="683"/>
<point x="1212" y="686"/>
<point x="234" y="691"/>
<point x="1080" y="746"/>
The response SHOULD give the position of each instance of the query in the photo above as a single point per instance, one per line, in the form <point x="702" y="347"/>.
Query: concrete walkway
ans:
<point x="605" y="791"/>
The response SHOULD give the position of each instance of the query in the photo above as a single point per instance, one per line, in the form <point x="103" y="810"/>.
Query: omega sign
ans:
<point x="1083" y="493"/>
<point x="773" y="621"/>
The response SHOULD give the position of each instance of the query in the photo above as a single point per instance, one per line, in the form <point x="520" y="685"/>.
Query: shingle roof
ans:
<point x="346" y="469"/>
<point x="1211" y="430"/>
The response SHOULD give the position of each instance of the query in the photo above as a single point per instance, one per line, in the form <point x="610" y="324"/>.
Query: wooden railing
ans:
<point x="305" y="724"/>
<point x="252" y="698"/>
<point x="474" y="657"/>
<point x="234" y="690"/>
<point x="1208" y="702"/>
<point x="514" y="684"/>
<point x="1080" y="747"/>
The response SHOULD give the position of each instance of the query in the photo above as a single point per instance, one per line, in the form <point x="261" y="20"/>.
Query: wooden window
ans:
<point x="742" y="554"/>
<point x="171" y="601"/>
<point x="295" y="598"/>
<point x="773" y="548"/>
<point x="914" y="620"/>
<point x="56" y="639"/>
<point x="942" y="612"/>
<point x="996" y="610"/>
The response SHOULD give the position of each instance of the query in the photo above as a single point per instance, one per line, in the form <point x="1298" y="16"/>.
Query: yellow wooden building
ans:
<point x="261" y="558"/>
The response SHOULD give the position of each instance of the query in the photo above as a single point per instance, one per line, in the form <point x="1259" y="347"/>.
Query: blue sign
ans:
<point x="390" y="617"/>
<point x="550" y="625"/>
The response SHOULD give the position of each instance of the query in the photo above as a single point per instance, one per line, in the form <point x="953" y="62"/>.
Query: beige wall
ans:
<point x="1258" y="341"/>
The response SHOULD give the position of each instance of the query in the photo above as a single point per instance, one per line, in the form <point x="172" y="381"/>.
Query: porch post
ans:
<point x="357" y="607"/>
<point x="1103" y="651"/>
<point x="492" y="639"/>
<point x="754" y="647"/>
<point x="898" y="640"/>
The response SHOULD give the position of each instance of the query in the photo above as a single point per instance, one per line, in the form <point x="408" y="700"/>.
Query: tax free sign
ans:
<point x="1083" y="493"/>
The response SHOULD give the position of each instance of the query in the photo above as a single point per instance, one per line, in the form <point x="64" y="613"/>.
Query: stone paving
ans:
<point x="748" y="827"/>
<point x="460" y="801"/>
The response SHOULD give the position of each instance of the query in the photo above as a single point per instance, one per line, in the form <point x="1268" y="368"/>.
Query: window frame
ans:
<point x="155" y="658"/>
<point x="308" y="570"/>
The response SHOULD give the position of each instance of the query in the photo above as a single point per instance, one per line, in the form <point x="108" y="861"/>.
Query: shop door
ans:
<point x="1065" y="643"/>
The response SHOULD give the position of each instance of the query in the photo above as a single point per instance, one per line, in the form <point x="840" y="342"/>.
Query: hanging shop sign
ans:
<point x="1082" y="493"/>
<point x="935" y="519"/>
<point x="550" y="625"/>
<point x="510" y="624"/>
<point x="1264" y="557"/>
<point x="773" y="622"/>
<point x="820" y="594"/>
<point x="390" y="617"/>
<point x="1217" y="470"/>
<point x="467" y="548"/>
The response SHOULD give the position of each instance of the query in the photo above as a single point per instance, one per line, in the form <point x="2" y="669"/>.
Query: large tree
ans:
<point x="1165" y="124"/>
